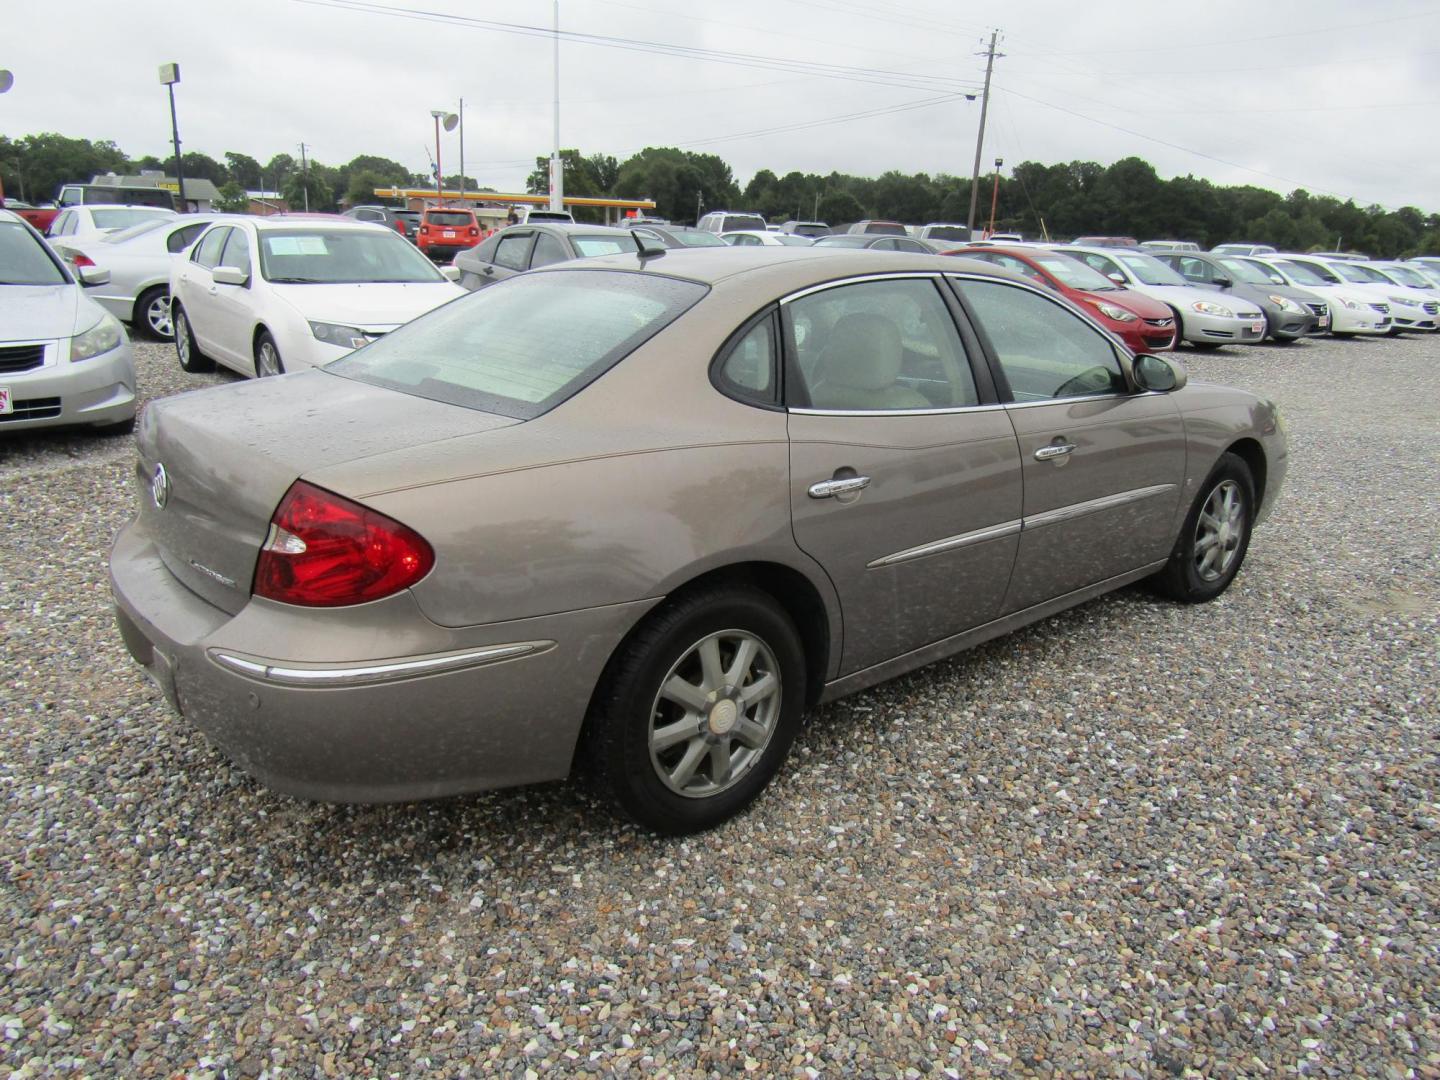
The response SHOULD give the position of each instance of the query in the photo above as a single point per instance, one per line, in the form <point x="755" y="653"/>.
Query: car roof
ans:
<point x="8" y="215"/>
<point x="329" y="221"/>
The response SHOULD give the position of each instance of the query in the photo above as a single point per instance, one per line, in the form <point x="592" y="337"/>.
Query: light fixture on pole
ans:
<point x="995" y="196"/>
<point x="7" y="80"/>
<point x="557" y="171"/>
<point x="449" y="119"/>
<point x="169" y="76"/>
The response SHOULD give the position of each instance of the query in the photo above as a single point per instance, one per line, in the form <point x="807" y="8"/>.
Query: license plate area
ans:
<point x="7" y="402"/>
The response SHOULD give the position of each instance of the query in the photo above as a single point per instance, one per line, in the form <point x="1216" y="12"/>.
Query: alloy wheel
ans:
<point x="157" y="316"/>
<point x="1219" y="531"/>
<point x="715" y="713"/>
<point x="267" y="360"/>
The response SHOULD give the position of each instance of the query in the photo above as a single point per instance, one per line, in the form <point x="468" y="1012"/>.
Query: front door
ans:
<point x="196" y="290"/>
<point x="1104" y="466"/>
<point x="905" y="474"/>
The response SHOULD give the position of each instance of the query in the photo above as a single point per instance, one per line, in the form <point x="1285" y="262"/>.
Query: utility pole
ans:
<point x="557" y="170"/>
<point x="995" y="197"/>
<point x="991" y="55"/>
<point x="462" y="153"/>
<point x="304" y="177"/>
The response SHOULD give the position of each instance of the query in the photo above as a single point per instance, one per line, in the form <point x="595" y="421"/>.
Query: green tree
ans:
<point x="679" y="181"/>
<point x="43" y="163"/>
<point x="361" y="188"/>
<point x="840" y="208"/>
<point x="232" y="200"/>
<point x="243" y="170"/>
<point x="203" y="167"/>
<point x="321" y="194"/>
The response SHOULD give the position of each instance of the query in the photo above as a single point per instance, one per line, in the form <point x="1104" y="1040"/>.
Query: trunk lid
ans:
<point x="230" y="453"/>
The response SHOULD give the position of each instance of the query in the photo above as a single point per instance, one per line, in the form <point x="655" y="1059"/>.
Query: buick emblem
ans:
<point x="160" y="486"/>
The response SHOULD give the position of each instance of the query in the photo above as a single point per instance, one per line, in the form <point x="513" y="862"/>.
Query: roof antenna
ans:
<point x="647" y="245"/>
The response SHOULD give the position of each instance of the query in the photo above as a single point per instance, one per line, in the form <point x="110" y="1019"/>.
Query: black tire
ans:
<point x="629" y="705"/>
<point x="265" y="348"/>
<point x="1188" y="577"/>
<point x="186" y="350"/>
<point x="152" y="315"/>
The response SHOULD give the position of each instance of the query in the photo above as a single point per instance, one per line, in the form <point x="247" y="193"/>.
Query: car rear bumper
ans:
<point x="372" y="703"/>
<point x="442" y="252"/>
<point x="98" y="391"/>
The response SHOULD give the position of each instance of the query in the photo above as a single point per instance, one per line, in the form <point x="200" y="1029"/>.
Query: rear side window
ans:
<point x="180" y="239"/>
<point x="521" y="347"/>
<point x="747" y="369"/>
<point x="512" y="250"/>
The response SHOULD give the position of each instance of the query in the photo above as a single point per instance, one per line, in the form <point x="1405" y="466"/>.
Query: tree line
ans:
<point x="1127" y="198"/>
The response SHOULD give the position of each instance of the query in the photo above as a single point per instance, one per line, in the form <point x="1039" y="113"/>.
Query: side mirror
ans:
<point x="450" y="273"/>
<point x="1117" y="277"/>
<point x="93" y="275"/>
<point x="1223" y="282"/>
<point x="229" y="275"/>
<point x="1157" y="374"/>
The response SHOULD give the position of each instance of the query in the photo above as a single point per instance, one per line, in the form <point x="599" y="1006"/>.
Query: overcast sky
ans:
<point x="1337" y="97"/>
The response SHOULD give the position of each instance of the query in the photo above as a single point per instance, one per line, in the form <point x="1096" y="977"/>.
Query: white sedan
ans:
<point x="89" y="222"/>
<point x="1351" y="311"/>
<point x="268" y="295"/>
<point x="766" y="238"/>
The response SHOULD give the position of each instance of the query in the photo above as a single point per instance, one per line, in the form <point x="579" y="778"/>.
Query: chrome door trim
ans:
<point x="1091" y="506"/>
<point x="281" y="673"/>
<point x="1069" y="400"/>
<point x="896" y="412"/>
<point x="950" y="543"/>
<point x="933" y="275"/>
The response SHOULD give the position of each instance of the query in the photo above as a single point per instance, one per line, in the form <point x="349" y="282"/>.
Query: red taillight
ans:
<point x="81" y="259"/>
<point x="326" y="551"/>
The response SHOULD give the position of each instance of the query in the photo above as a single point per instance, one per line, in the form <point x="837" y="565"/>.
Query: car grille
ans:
<point x="21" y="358"/>
<point x="1384" y="309"/>
<point x="1431" y="308"/>
<point x="40" y="408"/>
<point x="1319" y="309"/>
<point x="1160" y="322"/>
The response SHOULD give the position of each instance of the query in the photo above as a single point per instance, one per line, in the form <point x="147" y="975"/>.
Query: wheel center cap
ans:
<point x="722" y="717"/>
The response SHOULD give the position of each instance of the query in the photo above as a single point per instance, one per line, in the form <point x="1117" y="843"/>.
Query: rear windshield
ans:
<point x="521" y="347"/>
<point x="449" y="217"/>
<point x="842" y="241"/>
<point x="23" y="261"/>
<point x="740" y="222"/>
<point x="787" y="240"/>
<point x="122" y="217"/>
<point x="589" y="246"/>
<point x="349" y="256"/>
<point x="947" y="232"/>
<point x="130" y="196"/>
<point x="887" y="228"/>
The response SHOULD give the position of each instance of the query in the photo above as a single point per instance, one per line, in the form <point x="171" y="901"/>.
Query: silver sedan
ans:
<point x="639" y="512"/>
<point x="138" y="260"/>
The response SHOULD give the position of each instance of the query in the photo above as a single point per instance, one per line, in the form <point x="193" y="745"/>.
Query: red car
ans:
<point x="1145" y="325"/>
<point x="443" y="234"/>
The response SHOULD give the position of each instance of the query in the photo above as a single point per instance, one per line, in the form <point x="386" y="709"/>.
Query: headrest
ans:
<point x="864" y="353"/>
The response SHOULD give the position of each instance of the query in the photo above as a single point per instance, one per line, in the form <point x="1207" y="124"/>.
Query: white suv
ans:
<point x="723" y="221"/>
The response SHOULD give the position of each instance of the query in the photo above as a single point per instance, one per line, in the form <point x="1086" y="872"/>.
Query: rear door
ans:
<point x="905" y="473"/>
<point x="1104" y="466"/>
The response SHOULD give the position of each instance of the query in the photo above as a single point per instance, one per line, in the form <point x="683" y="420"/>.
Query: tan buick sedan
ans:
<point x="639" y="513"/>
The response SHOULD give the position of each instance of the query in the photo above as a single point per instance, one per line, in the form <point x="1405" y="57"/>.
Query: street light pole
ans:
<point x="995" y="196"/>
<point x="439" y="171"/>
<point x="463" y="188"/>
<point x="169" y="76"/>
<point x="557" y="171"/>
<point x="7" y="80"/>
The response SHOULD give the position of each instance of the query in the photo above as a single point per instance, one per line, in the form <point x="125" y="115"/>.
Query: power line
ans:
<point x="875" y="76"/>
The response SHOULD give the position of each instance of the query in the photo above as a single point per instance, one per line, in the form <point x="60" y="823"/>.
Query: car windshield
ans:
<point x="699" y="239"/>
<point x="23" y="261"/>
<point x="1306" y="274"/>
<point x="122" y="216"/>
<point x="521" y="347"/>
<point x="1406" y="276"/>
<point x="1075" y="273"/>
<point x="1361" y="275"/>
<point x="449" y="217"/>
<point x="842" y="241"/>
<point x="119" y="236"/>
<point x="1149" y="270"/>
<point x="589" y="246"/>
<point x="1240" y="270"/>
<point x="341" y="256"/>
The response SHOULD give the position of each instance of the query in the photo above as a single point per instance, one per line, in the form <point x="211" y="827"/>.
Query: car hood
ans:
<point x="30" y="312"/>
<point x="1188" y="294"/>
<point x="368" y="303"/>
<point x="231" y="452"/>
<point x="1146" y="307"/>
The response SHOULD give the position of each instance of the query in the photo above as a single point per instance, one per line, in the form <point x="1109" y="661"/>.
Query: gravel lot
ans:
<point x="1137" y="839"/>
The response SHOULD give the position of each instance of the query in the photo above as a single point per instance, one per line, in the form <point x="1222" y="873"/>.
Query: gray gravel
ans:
<point x="1137" y="839"/>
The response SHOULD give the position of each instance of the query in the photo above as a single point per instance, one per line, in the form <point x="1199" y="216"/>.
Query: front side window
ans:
<point x="1044" y="351"/>
<point x="1099" y="263"/>
<point x="1309" y="273"/>
<point x="1150" y="271"/>
<point x="341" y="256"/>
<point x="1195" y="270"/>
<point x="208" y="253"/>
<point x="878" y="346"/>
<point x="237" y="251"/>
<point x="524" y="345"/>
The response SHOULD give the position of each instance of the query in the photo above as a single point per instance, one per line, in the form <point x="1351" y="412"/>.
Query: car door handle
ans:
<point x="1054" y="450"/>
<point x="828" y="489"/>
